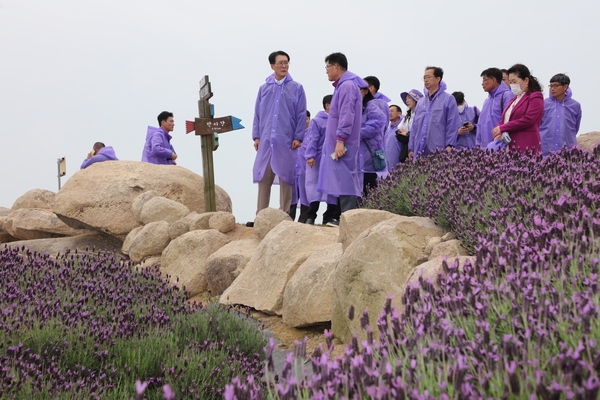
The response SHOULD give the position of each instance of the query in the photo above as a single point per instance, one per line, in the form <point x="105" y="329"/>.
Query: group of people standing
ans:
<point x="359" y="137"/>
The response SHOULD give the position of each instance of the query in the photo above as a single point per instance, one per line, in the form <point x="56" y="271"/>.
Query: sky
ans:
<point x="76" y="72"/>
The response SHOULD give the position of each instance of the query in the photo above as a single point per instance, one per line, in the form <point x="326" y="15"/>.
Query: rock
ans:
<point x="308" y="298"/>
<point x="5" y="237"/>
<point x="376" y="265"/>
<point x="138" y="204"/>
<point x="355" y="222"/>
<point x="449" y="236"/>
<point x="226" y="264"/>
<point x="588" y="140"/>
<point x="162" y="209"/>
<point x="222" y="221"/>
<point x="431" y="243"/>
<point x="431" y="269"/>
<point x="151" y="240"/>
<point x="287" y="246"/>
<point x="101" y="198"/>
<point x="4" y="211"/>
<point x="149" y="262"/>
<point x="184" y="259"/>
<point x="36" y="223"/>
<point x="201" y="221"/>
<point x="129" y="239"/>
<point x="182" y="225"/>
<point x="87" y="242"/>
<point x="35" y="198"/>
<point x="268" y="219"/>
<point x="451" y="248"/>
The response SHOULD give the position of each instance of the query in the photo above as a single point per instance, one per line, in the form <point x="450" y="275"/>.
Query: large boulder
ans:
<point x="308" y="298"/>
<point x="36" y="223"/>
<point x="355" y="222"/>
<point x="287" y="246"/>
<point x="88" y="241"/>
<point x="4" y="211"/>
<point x="448" y="248"/>
<point x="5" y="237"/>
<point x="151" y="240"/>
<point x="138" y="204"/>
<point x="162" y="209"/>
<point x="267" y="219"/>
<point x="100" y="197"/>
<point x="129" y="239"/>
<point x="35" y="198"/>
<point x="588" y="140"/>
<point x="184" y="259"/>
<point x="376" y="265"/>
<point x="226" y="264"/>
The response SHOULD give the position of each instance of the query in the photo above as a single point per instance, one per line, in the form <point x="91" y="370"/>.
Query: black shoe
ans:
<point x="310" y="221"/>
<point x="333" y="222"/>
<point x="250" y="224"/>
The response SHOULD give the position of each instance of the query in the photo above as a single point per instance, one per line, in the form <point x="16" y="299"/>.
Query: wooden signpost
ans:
<point x="208" y="129"/>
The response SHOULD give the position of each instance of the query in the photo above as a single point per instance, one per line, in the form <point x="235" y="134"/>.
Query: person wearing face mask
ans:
<point x="523" y="114"/>
<point x="468" y="117"/>
<point x="562" y="116"/>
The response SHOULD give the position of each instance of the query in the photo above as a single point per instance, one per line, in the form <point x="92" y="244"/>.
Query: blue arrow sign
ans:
<point x="235" y="123"/>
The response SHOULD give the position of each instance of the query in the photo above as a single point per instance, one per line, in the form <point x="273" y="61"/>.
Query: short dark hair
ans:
<point x="494" y="73"/>
<point x="163" y="116"/>
<point x="274" y="55"/>
<point x="459" y="97"/>
<point x="437" y="72"/>
<point x="504" y="71"/>
<point x="327" y="100"/>
<point x="397" y="107"/>
<point x="523" y="72"/>
<point x="561" y="78"/>
<point x="372" y="80"/>
<point x="339" y="59"/>
<point x="98" y="146"/>
<point x="308" y="113"/>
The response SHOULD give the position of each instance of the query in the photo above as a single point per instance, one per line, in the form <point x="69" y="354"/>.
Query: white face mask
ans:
<point x="461" y="108"/>
<point x="515" y="88"/>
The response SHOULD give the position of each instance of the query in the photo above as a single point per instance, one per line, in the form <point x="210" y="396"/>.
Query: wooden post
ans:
<point x="206" y="144"/>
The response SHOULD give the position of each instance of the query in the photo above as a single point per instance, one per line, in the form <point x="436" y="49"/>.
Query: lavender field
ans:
<point x="520" y="322"/>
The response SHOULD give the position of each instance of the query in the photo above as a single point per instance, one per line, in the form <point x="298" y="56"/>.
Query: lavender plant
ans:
<point x="86" y="325"/>
<point x="520" y="322"/>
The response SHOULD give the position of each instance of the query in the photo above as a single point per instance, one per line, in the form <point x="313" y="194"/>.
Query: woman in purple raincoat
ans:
<point x="372" y="131"/>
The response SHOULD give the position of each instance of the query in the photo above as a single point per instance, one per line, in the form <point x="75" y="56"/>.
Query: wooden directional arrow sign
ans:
<point x="208" y="126"/>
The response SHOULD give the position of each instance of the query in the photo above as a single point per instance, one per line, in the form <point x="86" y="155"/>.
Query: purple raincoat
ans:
<point x="279" y="119"/>
<point x="157" y="149"/>
<point x="300" y="181"/>
<point x="382" y="101"/>
<point x="342" y="177"/>
<point x="314" y="149"/>
<point x="491" y="114"/>
<point x="392" y="145"/>
<point x="104" y="154"/>
<point x="435" y="125"/>
<point x="466" y="141"/>
<point x="560" y="123"/>
<point x="371" y="133"/>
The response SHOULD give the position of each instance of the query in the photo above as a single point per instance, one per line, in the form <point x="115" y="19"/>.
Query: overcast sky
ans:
<point x="76" y="72"/>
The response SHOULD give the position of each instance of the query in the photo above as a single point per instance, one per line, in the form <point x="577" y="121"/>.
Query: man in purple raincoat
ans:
<point x="277" y="131"/>
<point x="382" y="99"/>
<point x="158" y="149"/>
<point x="392" y="146"/>
<point x="99" y="153"/>
<point x="499" y="95"/>
<point x="467" y="118"/>
<point x="436" y="117"/>
<point x="562" y="116"/>
<point x="339" y="172"/>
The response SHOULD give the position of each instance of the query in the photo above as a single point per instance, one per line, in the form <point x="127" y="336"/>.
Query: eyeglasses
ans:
<point x="426" y="77"/>
<point x="555" y="85"/>
<point x="330" y="65"/>
<point x="282" y="63"/>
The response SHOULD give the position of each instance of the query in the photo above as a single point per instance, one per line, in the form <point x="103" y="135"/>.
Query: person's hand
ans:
<point x="296" y="143"/>
<point x="470" y="126"/>
<point x="174" y="157"/>
<point x="310" y="162"/>
<point x="256" y="143"/>
<point x="339" y="150"/>
<point x="463" y="130"/>
<point x="449" y="149"/>
<point x="91" y="154"/>
<point x="497" y="133"/>
<point x="410" y="155"/>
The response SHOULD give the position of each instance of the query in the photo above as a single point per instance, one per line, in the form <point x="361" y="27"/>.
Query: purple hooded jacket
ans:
<point x="279" y="119"/>
<point x="491" y="114"/>
<point x="371" y="133"/>
<point x="157" y="149"/>
<point x="383" y="102"/>
<point x="314" y="149"/>
<point x="466" y="141"/>
<point x="392" y="145"/>
<point x="560" y="123"/>
<point x="104" y="154"/>
<point x="342" y="177"/>
<point x="435" y="125"/>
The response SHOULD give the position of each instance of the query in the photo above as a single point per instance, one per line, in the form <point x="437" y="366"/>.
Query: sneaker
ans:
<point x="310" y="221"/>
<point x="250" y="224"/>
<point x="333" y="222"/>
